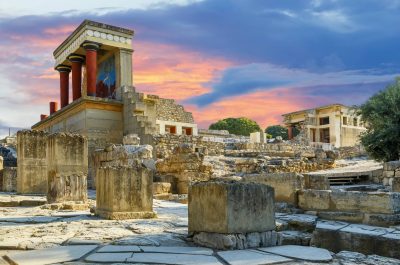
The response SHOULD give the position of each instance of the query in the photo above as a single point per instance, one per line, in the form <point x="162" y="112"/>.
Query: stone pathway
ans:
<point x="39" y="235"/>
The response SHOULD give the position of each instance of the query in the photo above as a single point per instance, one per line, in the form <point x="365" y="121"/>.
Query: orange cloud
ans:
<point x="172" y="72"/>
<point x="265" y="107"/>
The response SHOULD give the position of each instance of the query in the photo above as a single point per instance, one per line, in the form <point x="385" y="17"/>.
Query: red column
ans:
<point x="76" y="62"/>
<point x="91" y="66"/>
<point x="53" y="107"/>
<point x="43" y="116"/>
<point x="64" y="84"/>
<point x="290" y="132"/>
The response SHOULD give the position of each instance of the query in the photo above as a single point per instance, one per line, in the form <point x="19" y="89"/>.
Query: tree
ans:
<point x="238" y="126"/>
<point x="381" y="115"/>
<point x="277" y="130"/>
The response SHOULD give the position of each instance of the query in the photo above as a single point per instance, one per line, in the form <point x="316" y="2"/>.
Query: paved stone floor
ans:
<point x="38" y="235"/>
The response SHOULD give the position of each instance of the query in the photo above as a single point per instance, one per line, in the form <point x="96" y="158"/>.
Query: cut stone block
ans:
<point x="118" y="248"/>
<point x="179" y="250"/>
<point x="176" y="259"/>
<point x="49" y="256"/>
<point x="109" y="257"/>
<point x="124" y="192"/>
<point x="286" y="185"/>
<point x="10" y="179"/>
<point x="67" y="165"/>
<point x="301" y="252"/>
<point x="231" y="207"/>
<point x="32" y="162"/>
<point x="250" y="257"/>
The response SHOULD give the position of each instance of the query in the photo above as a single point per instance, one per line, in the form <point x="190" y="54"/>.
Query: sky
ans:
<point x="219" y="58"/>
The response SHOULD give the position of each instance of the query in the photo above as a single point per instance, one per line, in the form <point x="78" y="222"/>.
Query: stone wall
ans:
<point x="347" y="152"/>
<point x="67" y="166"/>
<point x="165" y="144"/>
<point x="168" y="110"/>
<point x="375" y="208"/>
<point x="391" y="175"/>
<point x="9" y="179"/>
<point x="32" y="162"/>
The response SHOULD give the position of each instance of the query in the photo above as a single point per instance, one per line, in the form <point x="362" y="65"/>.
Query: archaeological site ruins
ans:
<point x="118" y="176"/>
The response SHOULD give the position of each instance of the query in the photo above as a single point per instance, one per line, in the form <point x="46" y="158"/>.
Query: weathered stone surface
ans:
<point x="231" y="207"/>
<point x="391" y="165"/>
<point x="119" y="248"/>
<point x="299" y="222"/>
<point x="161" y="188"/>
<point x="131" y="139"/>
<point x="109" y="257"/>
<point x="314" y="199"/>
<point x="10" y="179"/>
<point x="316" y="182"/>
<point x="236" y="241"/>
<point x="396" y="184"/>
<point x="184" y="165"/>
<point x="49" y="256"/>
<point x="178" y="250"/>
<point x="175" y="259"/>
<point x="67" y="165"/>
<point x="32" y="162"/>
<point x="301" y="252"/>
<point x="294" y="238"/>
<point x="250" y="257"/>
<point x="286" y="185"/>
<point x="124" y="192"/>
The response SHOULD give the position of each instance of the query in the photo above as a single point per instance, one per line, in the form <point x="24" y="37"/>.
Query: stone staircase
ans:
<point x="139" y="115"/>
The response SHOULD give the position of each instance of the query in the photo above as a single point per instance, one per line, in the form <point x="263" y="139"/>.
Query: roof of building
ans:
<point x="317" y="108"/>
<point x="94" y="24"/>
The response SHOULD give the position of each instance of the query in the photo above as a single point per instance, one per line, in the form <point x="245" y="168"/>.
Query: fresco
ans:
<point x="106" y="78"/>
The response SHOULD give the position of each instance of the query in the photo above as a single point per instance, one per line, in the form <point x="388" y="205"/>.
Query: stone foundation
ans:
<point x="219" y="209"/>
<point x="391" y="175"/>
<point x="124" y="192"/>
<point x="67" y="164"/>
<point x="10" y="179"/>
<point x="32" y="162"/>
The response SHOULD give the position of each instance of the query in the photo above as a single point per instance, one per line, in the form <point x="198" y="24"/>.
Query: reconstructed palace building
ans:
<point x="105" y="105"/>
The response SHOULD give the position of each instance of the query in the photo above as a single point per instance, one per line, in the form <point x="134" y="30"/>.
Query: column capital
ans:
<point x="90" y="45"/>
<point x="63" y="68"/>
<point x="76" y="58"/>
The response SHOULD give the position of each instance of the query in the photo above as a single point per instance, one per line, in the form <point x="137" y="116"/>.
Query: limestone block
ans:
<point x="10" y="179"/>
<point x="368" y="202"/>
<point x="388" y="174"/>
<point x="314" y="199"/>
<point x="316" y="182"/>
<point x="67" y="154"/>
<point x="62" y="188"/>
<point x="32" y="162"/>
<point x="231" y="207"/>
<point x="124" y="192"/>
<point x="286" y="185"/>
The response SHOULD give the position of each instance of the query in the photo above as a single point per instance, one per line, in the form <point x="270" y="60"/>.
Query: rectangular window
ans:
<point x="324" y="121"/>
<point x="170" y="129"/>
<point x="187" y="131"/>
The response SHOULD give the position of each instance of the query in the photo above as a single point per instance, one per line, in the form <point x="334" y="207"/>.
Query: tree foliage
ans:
<point x="381" y="114"/>
<point x="238" y="126"/>
<point x="277" y="130"/>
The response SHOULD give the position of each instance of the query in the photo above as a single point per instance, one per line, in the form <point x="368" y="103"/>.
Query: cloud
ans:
<point x="239" y="80"/>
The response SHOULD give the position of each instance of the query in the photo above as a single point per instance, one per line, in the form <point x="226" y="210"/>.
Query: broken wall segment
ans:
<point x="186" y="166"/>
<point x="67" y="164"/>
<point x="32" y="162"/>
<point x="124" y="192"/>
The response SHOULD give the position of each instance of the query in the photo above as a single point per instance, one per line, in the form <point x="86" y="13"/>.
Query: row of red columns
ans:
<point x="76" y="67"/>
